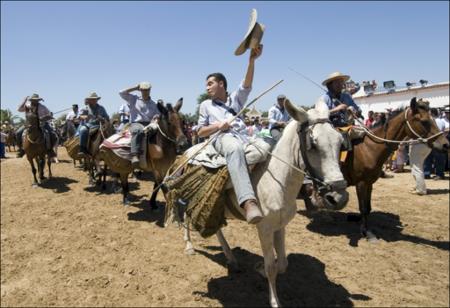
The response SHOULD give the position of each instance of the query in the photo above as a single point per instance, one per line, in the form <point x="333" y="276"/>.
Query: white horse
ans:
<point x="277" y="184"/>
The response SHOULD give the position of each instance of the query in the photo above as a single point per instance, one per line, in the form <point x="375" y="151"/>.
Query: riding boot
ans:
<point x="135" y="161"/>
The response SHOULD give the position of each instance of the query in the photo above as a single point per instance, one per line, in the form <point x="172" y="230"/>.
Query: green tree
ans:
<point x="6" y="115"/>
<point x="265" y="114"/>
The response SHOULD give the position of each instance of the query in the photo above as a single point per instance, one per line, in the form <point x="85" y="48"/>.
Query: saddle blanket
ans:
<point x="256" y="150"/>
<point x="120" y="144"/>
<point x="117" y="141"/>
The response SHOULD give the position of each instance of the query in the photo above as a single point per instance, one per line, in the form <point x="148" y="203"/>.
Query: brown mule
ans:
<point x="34" y="148"/>
<point x="170" y="140"/>
<point x="364" y="164"/>
<point x="92" y="161"/>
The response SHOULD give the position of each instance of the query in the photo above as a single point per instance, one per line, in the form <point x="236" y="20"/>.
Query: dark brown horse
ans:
<point x="11" y="139"/>
<point x="170" y="141"/>
<point x="93" y="160"/>
<point x="34" y="147"/>
<point x="363" y="165"/>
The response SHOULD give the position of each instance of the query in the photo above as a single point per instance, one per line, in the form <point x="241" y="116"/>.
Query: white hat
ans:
<point x="253" y="36"/>
<point x="145" y="85"/>
<point x="335" y="76"/>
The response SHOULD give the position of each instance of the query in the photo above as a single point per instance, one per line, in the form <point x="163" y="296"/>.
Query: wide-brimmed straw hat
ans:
<point x="35" y="97"/>
<point x="335" y="76"/>
<point x="254" y="35"/>
<point x="93" y="95"/>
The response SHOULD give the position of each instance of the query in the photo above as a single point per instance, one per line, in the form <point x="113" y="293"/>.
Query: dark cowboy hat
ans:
<point x="253" y="36"/>
<point x="35" y="97"/>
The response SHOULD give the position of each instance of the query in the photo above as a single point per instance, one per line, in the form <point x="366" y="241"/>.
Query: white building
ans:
<point x="437" y="94"/>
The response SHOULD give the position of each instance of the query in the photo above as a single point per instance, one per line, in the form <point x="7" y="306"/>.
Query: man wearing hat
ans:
<point x="142" y="111"/>
<point x="278" y="117"/>
<point x="72" y="120"/>
<point x="93" y="114"/>
<point x="32" y="104"/>
<point x="214" y="116"/>
<point x="337" y="100"/>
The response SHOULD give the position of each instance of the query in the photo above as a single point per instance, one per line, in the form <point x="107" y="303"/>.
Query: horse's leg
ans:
<point x="364" y="192"/>
<point x="189" y="250"/>
<point x="232" y="263"/>
<point x="153" y="204"/>
<point x="33" y="169"/>
<point x="49" y="164"/>
<point x="105" y="168"/>
<point x="266" y="238"/>
<point x="279" y="243"/>
<point x="41" y="166"/>
<point x="125" y="188"/>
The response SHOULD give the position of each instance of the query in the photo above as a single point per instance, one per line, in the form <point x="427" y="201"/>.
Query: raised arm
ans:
<point x="254" y="54"/>
<point x="22" y="105"/>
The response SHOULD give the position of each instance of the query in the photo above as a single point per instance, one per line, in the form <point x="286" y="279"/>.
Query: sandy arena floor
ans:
<point x="65" y="244"/>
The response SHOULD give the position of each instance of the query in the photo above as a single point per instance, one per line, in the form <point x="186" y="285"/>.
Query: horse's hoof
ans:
<point x="189" y="251"/>
<point x="34" y="185"/>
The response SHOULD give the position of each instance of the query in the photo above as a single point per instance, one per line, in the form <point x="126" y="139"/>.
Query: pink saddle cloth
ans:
<point x="118" y="141"/>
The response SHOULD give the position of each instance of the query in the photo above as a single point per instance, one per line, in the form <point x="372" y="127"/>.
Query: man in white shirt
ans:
<point x="142" y="111"/>
<point x="214" y="116"/>
<point x="72" y="121"/>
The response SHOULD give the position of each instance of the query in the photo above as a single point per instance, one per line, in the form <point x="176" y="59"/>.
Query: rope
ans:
<point x="413" y="141"/>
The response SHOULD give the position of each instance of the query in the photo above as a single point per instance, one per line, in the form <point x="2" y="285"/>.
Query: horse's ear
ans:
<point x="413" y="105"/>
<point x="298" y="114"/>
<point x="179" y="104"/>
<point x="161" y="108"/>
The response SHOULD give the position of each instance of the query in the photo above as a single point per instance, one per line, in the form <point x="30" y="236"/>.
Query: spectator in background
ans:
<point x="436" y="159"/>
<point x="370" y="119"/>
<point x="256" y="126"/>
<point x="2" y="143"/>
<point x="248" y="126"/>
<point x="124" y="112"/>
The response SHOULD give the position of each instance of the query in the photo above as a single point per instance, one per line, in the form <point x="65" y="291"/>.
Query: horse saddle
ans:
<point x="120" y="144"/>
<point x="352" y="135"/>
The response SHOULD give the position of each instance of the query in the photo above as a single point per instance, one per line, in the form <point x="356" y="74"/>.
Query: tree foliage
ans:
<point x="6" y="115"/>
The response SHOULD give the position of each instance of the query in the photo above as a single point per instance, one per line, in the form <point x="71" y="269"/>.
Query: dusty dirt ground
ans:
<point x="64" y="244"/>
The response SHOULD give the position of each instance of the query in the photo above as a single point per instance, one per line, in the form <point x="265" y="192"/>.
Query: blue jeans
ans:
<point x="233" y="150"/>
<point x="137" y="133"/>
<point x="84" y="133"/>
<point x="2" y="150"/>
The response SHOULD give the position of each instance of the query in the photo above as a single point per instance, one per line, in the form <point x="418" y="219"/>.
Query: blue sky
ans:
<point x="65" y="50"/>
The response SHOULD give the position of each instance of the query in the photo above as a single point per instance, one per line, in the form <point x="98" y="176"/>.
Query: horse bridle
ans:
<point x="304" y="132"/>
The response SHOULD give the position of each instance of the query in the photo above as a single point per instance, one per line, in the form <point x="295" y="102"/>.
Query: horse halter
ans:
<point x="419" y="138"/>
<point x="304" y="131"/>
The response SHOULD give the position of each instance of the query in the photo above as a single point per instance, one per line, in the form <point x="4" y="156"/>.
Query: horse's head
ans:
<point x="320" y="146"/>
<point x="422" y="125"/>
<point x="171" y="125"/>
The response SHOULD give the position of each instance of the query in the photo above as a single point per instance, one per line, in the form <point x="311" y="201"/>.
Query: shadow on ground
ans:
<point x="305" y="283"/>
<point x="58" y="184"/>
<point x="386" y="226"/>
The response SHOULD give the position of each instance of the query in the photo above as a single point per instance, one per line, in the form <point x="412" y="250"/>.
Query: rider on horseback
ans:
<point x="214" y="114"/>
<point x="142" y="111"/>
<point x="72" y="120"/>
<point x="94" y="113"/>
<point x="32" y="104"/>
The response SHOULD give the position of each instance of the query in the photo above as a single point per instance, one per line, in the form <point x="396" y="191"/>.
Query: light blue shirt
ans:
<point x="276" y="114"/>
<point x="211" y="112"/>
<point x="140" y="110"/>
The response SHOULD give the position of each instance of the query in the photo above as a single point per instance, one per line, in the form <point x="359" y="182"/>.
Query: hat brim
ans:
<point x="252" y="40"/>
<point x="328" y="80"/>
<point x="36" y="99"/>
<point x="96" y="98"/>
<point x="251" y="25"/>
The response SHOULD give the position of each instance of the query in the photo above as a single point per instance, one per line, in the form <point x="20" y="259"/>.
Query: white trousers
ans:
<point x="417" y="154"/>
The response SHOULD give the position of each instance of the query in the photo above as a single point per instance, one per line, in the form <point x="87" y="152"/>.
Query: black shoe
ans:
<point x="20" y="153"/>
<point x="135" y="162"/>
